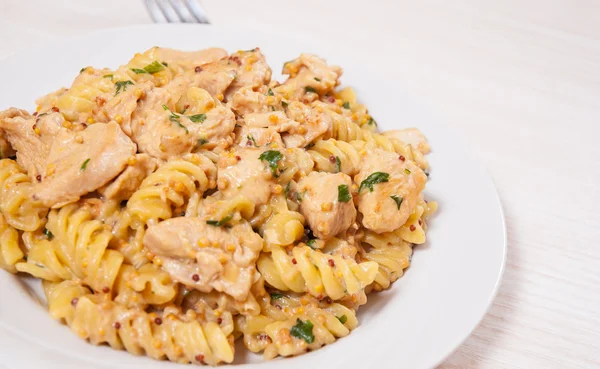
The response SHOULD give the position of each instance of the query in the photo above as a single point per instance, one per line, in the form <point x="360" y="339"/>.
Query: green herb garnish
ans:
<point x="284" y="104"/>
<point x="317" y="79"/>
<point x="202" y="141"/>
<point x="108" y="76"/>
<point x="139" y="71"/>
<point x="373" y="179"/>
<point x="270" y="92"/>
<point x="407" y="171"/>
<point x="84" y="165"/>
<point x="309" y="146"/>
<point x="250" y="138"/>
<point x="343" y="319"/>
<point x="398" y="200"/>
<point x="338" y="164"/>
<point x="48" y="234"/>
<point x="371" y="122"/>
<point x="286" y="190"/>
<point x="310" y="89"/>
<point x="198" y="118"/>
<point x="299" y="196"/>
<point x="276" y="295"/>
<point x="272" y="157"/>
<point x="218" y="223"/>
<point x="344" y="193"/>
<point x="346" y="105"/>
<point x="303" y="330"/>
<point x="154" y="67"/>
<point x="82" y="70"/>
<point x="164" y="63"/>
<point x="41" y="115"/>
<point x="312" y="243"/>
<point x="122" y="85"/>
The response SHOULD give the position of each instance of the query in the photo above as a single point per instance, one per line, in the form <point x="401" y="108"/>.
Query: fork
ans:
<point x="176" y="11"/>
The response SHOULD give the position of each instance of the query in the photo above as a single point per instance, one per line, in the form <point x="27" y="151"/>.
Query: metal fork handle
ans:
<point x="176" y="11"/>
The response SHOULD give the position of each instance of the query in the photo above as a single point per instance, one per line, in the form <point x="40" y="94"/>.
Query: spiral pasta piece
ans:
<point x="147" y="285"/>
<point x="80" y="244"/>
<point x="335" y="156"/>
<point x="16" y="200"/>
<point x="168" y="336"/>
<point x="10" y="249"/>
<point x="169" y="188"/>
<point x="312" y="271"/>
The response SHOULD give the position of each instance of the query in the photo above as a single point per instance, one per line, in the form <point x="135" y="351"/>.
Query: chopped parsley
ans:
<point x="346" y="105"/>
<point x="202" y="141"/>
<point x="218" y="223"/>
<point x="303" y="330"/>
<point x="82" y="70"/>
<point x="165" y="64"/>
<point x="309" y="146"/>
<point x="139" y="71"/>
<point x="41" y="115"/>
<point x="338" y="164"/>
<point x="154" y="67"/>
<point x="198" y="118"/>
<point x="276" y="295"/>
<point x="272" y="157"/>
<point x="310" y="89"/>
<point x="286" y="190"/>
<point x="373" y="179"/>
<point x="343" y="319"/>
<point x="343" y="193"/>
<point x="122" y="85"/>
<point x="398" y="200"/>
<point x="284" y="104"/>
<point x="250" y="138"/>
<point x="371" y="122"/>
<point x="48" y="234"/>
<point x="175" y="119"/>
<point x="108" y="76"/>
<point x="317" y="79"/>
<point x="426" y="173"/>
<point x="299" y="196"/>
<point x="270" y="92"/>
<point x="312" y="243"/>
<point x="407" y="171"/>
<point x="84" y="165"/>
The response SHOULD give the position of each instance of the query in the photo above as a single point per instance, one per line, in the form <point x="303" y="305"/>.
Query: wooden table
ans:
<point x="519" y="79"/>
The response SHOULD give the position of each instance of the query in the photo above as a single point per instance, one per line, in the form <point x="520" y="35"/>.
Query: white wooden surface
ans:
<point x="519" y="79"/>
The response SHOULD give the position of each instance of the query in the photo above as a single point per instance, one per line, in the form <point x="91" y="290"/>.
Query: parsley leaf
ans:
<point x="311" y="243"/>
<point x="303" y="330"/>
<point x="338" y="164"/>
<point x="343" y="319"/>
<point x="202" y="141"/>
<point x="317" y="79"/>
<point x="218" y="223"/>
<point x="346" y="105"/>
<point x="286" y="190"/>
<point x="108" y="76"/>
<point x="407" y="171"/>
<point x="276" y="295"/>
<point x="373" y="179"/>
<point x="398" y="200"/>
<point x="84" y="165"/>
<point x="82" y="70"/>
<point x="198" y="118"/>
<point x="270" y="92"/>
<point x="48" y="234"/>
<point x="343" y="193"/>
<point x="139" y="71"/>
<point x="154" y="67"/>
<point x="272" y="157"/>
<point x="284" y="104"/>
<point x="122" y="85"/>
<point x="371" y="122"/>
<point x="310" y="89"/>
<point x="250" y="138"/>
<point x="175" y="119"/>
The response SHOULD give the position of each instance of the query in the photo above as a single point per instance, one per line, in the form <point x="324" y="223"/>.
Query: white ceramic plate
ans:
<point x="415" y="324"/>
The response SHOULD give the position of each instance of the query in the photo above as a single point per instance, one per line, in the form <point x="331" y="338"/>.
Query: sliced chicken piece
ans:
<point x="257" y="136"/>
<point x="130" y="179"/>
<point x="216" y="77"/>
<point x="327" y="203"/>
<point x="6" y="151"/>
<point x="386" y="205"/>
<point x="120" y="107"/>
<point x="206" y="257"/>
<point x="314" y="123"/>
<point x="241" y="172"/>
<point x="164" y="133"/>
<point x="32" y="137"/>
<point x="83" y="162"/>
<point x="309" y="76"/>
<point x="246" y="100"/>
<point x="253" y="71"/>
<point x="274" y="119"/>
<point x="412" y="136"/>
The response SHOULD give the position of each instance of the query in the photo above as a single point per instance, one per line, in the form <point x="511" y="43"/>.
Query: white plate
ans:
<point x="416" y="324"/>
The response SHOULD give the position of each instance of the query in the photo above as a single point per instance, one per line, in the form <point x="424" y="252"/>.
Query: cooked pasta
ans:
<point x="185" y="200"/>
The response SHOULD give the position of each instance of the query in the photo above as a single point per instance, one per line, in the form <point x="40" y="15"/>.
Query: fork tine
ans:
<point x="155" y="12"/>
<point x="178" y="8"/>
<point x="196" y="10"/>
<point x="168" y="11"/>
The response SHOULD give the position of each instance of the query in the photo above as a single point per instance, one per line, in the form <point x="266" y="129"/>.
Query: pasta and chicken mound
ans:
<point x="185" y="200"/>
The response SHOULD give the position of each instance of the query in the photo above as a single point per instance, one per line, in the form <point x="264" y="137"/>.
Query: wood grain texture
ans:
<point x="520" y="80"/>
